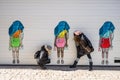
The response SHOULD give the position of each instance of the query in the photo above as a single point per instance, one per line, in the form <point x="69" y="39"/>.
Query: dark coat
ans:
<point x="42" y="56"/>
<point x="84" y="43"/>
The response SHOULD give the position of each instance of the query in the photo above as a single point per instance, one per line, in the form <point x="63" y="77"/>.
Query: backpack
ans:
<point x="86" y="44"/>
<point x="37" y="54"/>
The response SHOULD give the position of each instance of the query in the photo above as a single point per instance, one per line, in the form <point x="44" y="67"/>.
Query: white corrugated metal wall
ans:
<point x="40" y="18"/>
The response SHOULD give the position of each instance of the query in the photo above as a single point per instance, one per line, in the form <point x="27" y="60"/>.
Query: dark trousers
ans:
<point x="80" y="53"/>
<point x="43" y="62"/>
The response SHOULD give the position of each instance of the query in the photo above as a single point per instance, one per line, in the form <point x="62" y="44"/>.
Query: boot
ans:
<point x="90" y="66"/>
<point x="74" y="65"/>
<point x="13" y="61"/>
<point x="42" y="67"/>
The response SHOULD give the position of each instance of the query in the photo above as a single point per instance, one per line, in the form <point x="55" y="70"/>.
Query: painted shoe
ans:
<point x="18" y="61"/>
<point x="107" y="62"/>
<point x="102" y="62"/>
<point x="13" y="61"/>
<point x="62" y="61"/>
<point x="58" y="61"/>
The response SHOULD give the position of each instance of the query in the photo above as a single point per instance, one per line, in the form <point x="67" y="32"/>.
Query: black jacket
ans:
<point x="83" y="42"/>
<point x="42" y="55"/>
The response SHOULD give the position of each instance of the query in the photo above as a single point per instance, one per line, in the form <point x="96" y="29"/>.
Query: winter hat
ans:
<point x="48" y="48"/>
<point x="77" y="32"/>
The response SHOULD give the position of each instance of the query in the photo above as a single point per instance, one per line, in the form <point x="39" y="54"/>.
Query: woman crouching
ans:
<point x="42" y="56"/>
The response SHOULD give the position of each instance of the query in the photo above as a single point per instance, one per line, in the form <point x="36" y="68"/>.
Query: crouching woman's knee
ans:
<point x="48" y="61"/>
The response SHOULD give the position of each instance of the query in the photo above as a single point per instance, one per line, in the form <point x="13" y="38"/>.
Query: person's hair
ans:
<point x="74" y="34"/>
<point x="76" y="38"/>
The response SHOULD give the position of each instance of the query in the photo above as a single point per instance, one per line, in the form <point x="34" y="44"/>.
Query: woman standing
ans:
<point x="61" y="32"/>
<point x="83" y="47"/>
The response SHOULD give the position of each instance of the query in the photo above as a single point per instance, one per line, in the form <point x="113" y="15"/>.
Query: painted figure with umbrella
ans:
<point x="15" y="39"/>
<point x="61" y="32"/>
<point x="105" y="41"/>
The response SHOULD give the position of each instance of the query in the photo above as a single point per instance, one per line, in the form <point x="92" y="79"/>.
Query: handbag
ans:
<point x="37" y="55"/>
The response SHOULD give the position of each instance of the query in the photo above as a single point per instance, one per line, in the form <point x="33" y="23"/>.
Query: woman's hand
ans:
<point x="21" y="47"/>
<point x="66" y="45"/>
<point x="99" y="49"/>
<point x="10" y="48"/>
<point x="111" y="47"/>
